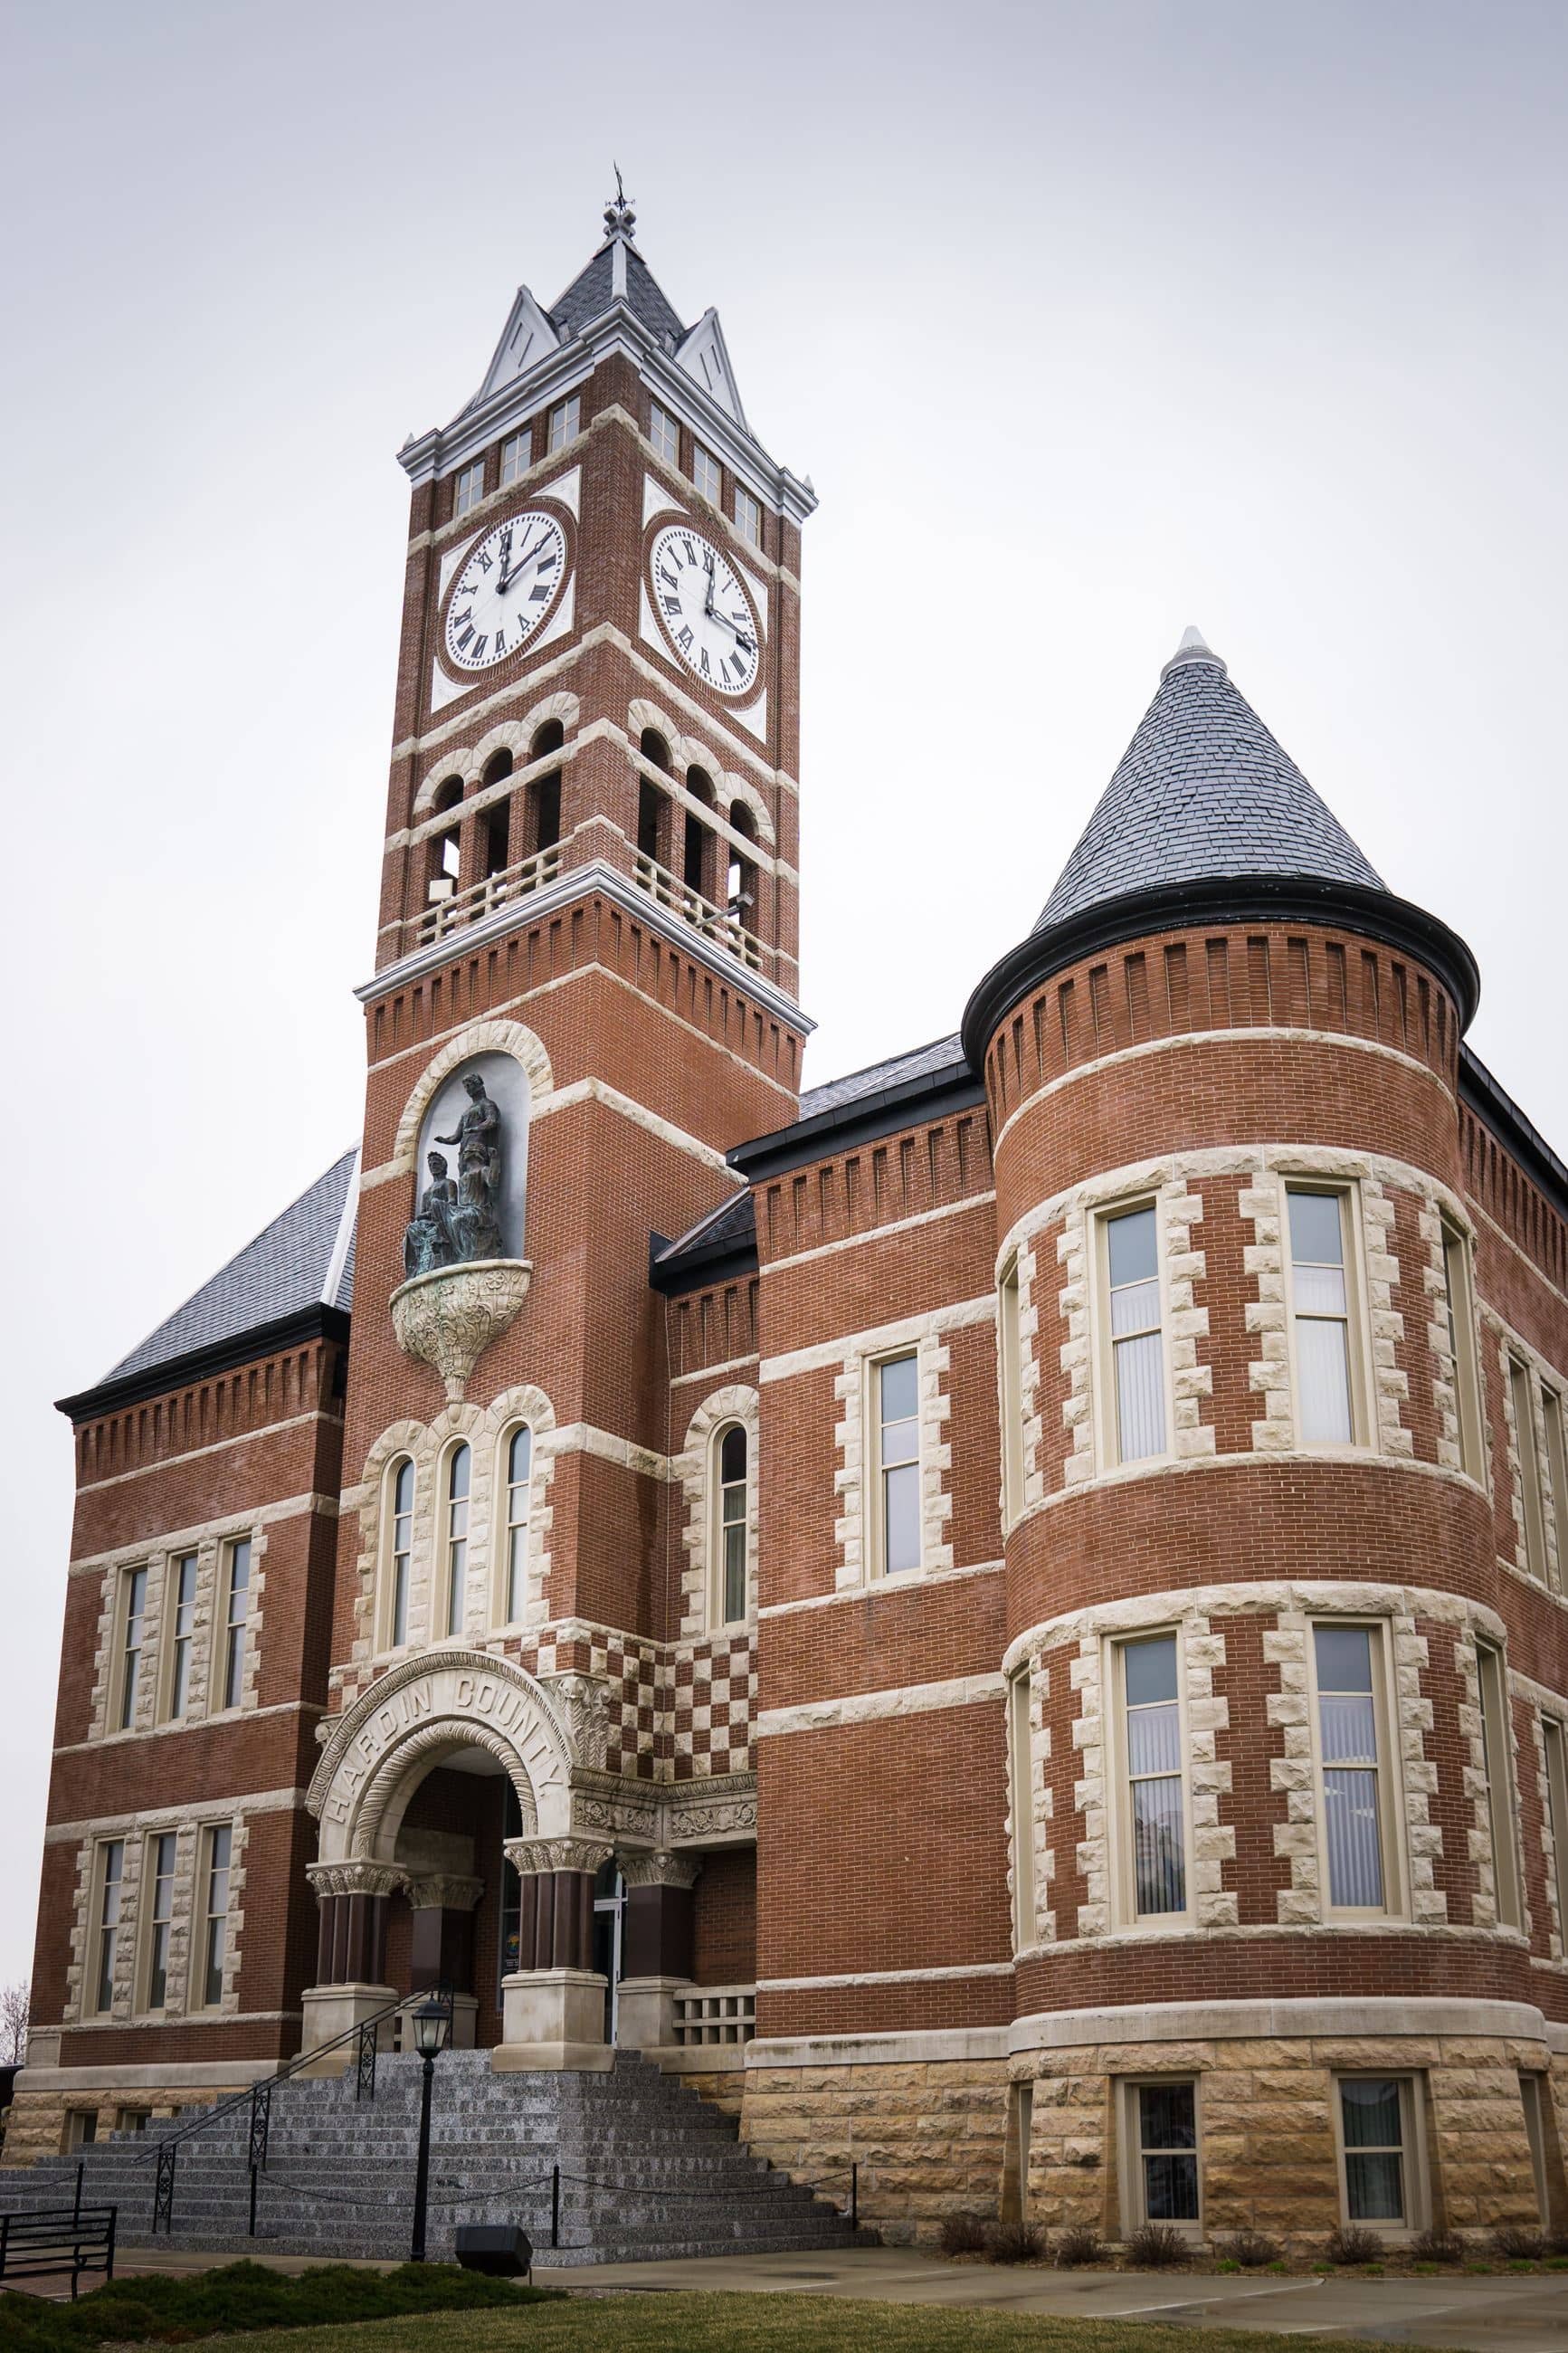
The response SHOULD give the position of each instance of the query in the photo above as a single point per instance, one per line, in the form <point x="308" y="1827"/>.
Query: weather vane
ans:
<point x="619" y="219"/>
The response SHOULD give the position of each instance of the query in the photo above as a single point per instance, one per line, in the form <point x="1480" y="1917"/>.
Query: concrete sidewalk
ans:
<point x="1481" y="2316"/>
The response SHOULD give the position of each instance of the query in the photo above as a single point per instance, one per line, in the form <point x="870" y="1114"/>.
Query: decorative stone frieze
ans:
<point x="449" y="1317"/>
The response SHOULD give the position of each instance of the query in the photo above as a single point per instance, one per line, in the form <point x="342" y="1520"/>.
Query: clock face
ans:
<point x="508" y="585"/>
<point x="706" y="612"/>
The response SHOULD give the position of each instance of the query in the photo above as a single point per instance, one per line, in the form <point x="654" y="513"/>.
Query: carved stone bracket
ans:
<point x="659" y="1869"/>
<point x="443" y="1891"/>
<point x="449" y="1317"/>
<point x="527" y="1855"/>
<point x="355" y="1878"/>
<point x="584" y="1702"/>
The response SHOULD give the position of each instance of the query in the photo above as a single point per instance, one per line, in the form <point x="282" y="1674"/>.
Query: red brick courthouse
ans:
<point x="1007" y="1616"/>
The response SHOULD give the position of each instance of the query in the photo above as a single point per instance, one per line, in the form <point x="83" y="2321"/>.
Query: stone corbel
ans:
<point x="660" y="1869"/>
<point x="443" y="1891"/>
<point x="532" y="1856"/>
<point x="584" y="1700"/>
<point x="449" y="1317"/>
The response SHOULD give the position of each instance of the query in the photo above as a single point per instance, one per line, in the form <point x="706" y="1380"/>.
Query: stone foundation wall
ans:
<point x="725" y="2088"/>
<point x="38" y="2123"/>
<point x="928" y="2137"/>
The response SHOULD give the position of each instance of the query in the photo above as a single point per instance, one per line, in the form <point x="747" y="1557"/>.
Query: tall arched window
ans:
<point x="518" y="1474"/>
<point x="400" y="1550"/>
<point x="455" y="1535"/>
<point x="653" y="807"/>
<point x="497" y="817"/>
<point x="730" y="1455"/>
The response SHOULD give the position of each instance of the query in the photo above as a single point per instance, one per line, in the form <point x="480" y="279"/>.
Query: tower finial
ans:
<point x="619" y="219"/>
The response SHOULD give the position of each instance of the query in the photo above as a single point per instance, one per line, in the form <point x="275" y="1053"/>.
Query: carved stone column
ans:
<point x="658" y="1947"/>
<point x="441" y="1950"/>
<point x="351" y="1953"/>
<point x="552" y="2007"/>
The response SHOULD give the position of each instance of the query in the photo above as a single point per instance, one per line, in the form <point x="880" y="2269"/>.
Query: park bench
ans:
<point x="75" y="2239"/>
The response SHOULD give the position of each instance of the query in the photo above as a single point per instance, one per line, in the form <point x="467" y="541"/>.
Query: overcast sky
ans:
<point x="1087" y="322"/>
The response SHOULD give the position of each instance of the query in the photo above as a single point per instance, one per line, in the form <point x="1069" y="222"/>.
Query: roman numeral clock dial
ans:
<point x="509" y="585"/>
<point x="706" y="612"/>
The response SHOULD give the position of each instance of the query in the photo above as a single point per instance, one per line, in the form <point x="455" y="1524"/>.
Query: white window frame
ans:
<point x="1554" y="1407"/>
<point x="748" y="516"/>
<point x="1527" y="1459"/>
<point x="389" y="1639"/>
<point x="1123" y="1874"/>
<point x="516" y="456"/>
<point x="150" y="1922"/>
<point x="511" y="1524"/>
<point x="703" y="463"/>
<point x="717" y="1566"/>
<point x="1497" y="1748"/>
<point x="233" y="1634"/>
<point x="470" y="488"/>
<point x="1390" y="1806"/>
<point x="204" y="1917"/>
<point x="99" y="1928"/>
<point x="563" y="424"/>
<point x="1129" y="2137"/>
<point x="1411" y="2150"/>
<point x="1346" y="1192"/>
<point x="1010" y="1389"/>
<point x="1459" y="1283"/>
<point x="443" y="1630"/>
<point x="876" y="1512"/>
<point x="1108" y="1416"/>
<point x="126" y="1680"/>
<point x="664" y="433"/>
<point x="1021" y="1802"/>
<point x="1554" y="1738"/>
<point x="170" y="1710"/>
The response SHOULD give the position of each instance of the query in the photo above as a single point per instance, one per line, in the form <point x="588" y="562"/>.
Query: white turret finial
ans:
<point x="1193" y="649"/>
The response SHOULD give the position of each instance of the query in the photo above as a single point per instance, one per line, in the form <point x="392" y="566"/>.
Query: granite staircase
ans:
<point x="647" y="2171"/>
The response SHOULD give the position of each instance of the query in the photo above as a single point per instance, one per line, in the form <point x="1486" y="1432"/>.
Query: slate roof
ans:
<point x="590" y="294"/>
<point x="283" y="1271"/>
<point x="1202" y="790"/>
<point x="942" y="1053"/>
<point x="732" y="1225"/>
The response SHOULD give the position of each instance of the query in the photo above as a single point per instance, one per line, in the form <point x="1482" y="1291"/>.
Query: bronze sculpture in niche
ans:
<point x="456" y="1224"/>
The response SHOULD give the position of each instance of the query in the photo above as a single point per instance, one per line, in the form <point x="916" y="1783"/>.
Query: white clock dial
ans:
<point x="508" y="584"/>
<point x="705" y="611"/>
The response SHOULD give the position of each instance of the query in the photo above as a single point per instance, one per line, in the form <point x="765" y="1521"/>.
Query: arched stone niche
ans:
<point x="506" y="1083"/>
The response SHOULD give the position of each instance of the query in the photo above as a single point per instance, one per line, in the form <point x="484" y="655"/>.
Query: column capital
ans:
<point x="532" y="1856"/>
<point x="355" y="1878"/>
<point x="442" y="1891"/>
<point x="659" y="1869"/>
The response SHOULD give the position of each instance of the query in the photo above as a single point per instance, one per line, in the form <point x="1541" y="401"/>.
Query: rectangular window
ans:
<point x="897" y="1392"/>
<point x="1154" y="1815"/>
<point x="1529" y="2089"/>
<point x="1522" y="1393"/>
<point x="1557" y="1471"/>
<point x="215" y="1913"/>
<point x="565" y="423"/>
<point x="1021" y="1777"/>
<point x="748" y="516"/>
<point x="1462" y="1347"/>
<point x="158" y="1910"/>
<point x="182" y="1592"/>
<point x="1498" y="1794"/>
<point x="132" y="1631"/>
<point x="1347" y="1664"/>
<point x="665" y="434"/>
<point x="470" y="488"/>
<point x="1010" y="1361"/>
<point x="237" y="1622"/>
<point x="1320" y="1287"/>
<point x="132" y="2120"/>
<point x="1375" y="2114"/>
<point x="111" y="1877"/>
<point x="81" y="2129"/>
<point x="516" y="456"/>
<point x="1162" y="2118"/>
<point x="1557" y="1815"/>
<point x="707" y="473"/>
<point x="1132" y="1277"/>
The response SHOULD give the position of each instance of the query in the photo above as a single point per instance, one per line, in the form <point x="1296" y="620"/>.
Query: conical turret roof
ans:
<point x="1202" y="791"/>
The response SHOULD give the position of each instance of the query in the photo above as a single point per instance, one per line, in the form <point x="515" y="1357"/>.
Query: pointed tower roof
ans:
<point x="1202" y="790"/>
<point x="617" y="272"/>
<point x="1207" y="819"/>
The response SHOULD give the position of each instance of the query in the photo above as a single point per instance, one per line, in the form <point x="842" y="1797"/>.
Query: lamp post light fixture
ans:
<point x="430" y="2022"/>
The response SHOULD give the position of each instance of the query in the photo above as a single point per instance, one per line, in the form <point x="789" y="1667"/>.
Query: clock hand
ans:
<point x="510" y="572"/>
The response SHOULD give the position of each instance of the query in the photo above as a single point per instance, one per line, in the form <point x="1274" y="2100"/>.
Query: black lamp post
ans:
<point x="430" y="2021"/>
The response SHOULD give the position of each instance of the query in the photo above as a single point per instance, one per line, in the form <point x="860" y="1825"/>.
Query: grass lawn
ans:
<point x="711" y="2323"/>
<point x="211" y="2305"/>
